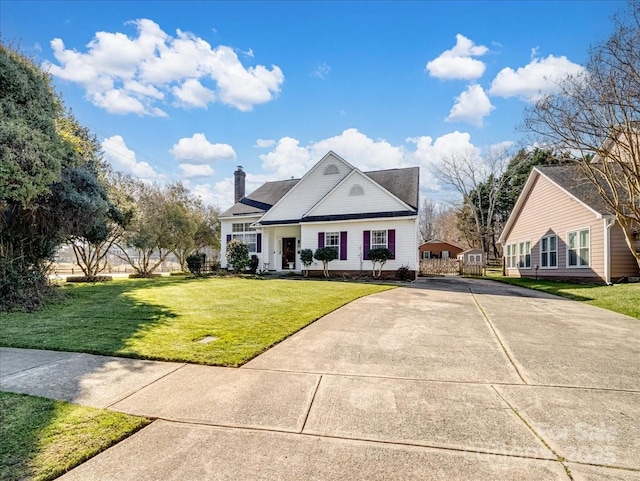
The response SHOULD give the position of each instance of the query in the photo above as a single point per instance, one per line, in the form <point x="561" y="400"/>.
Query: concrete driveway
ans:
<point x="447" y="379"/>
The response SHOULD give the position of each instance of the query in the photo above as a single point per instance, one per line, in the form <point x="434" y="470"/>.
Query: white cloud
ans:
<point x="429" y="153"/>
<point x="321" y="71"/>
<point x="190" y="171"/>
<point x="537" y="78"/>
<point x="125" y="74"/>
<point x="221" y="194"/>
<point x="289" y="159"/>
<point x="457" y="63"/>
<point x="124" y="159"/>
<point x="471" y="106"/>
<point x="360" y="150"/>
<point x="265" y="143"/>
<point x="193" y="94"/>
<point x="197" y="149"/>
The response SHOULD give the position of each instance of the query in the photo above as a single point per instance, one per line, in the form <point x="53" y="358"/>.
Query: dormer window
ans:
<point x="356" y="190"/>
<point x="331" y="169"/>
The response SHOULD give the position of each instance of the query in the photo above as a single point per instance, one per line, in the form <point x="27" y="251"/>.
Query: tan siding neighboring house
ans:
<point x="560" y="227"/>
<point x="622" y="260"/>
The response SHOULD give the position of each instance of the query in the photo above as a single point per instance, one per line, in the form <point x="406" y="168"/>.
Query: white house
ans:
<point x="334" y="204"/>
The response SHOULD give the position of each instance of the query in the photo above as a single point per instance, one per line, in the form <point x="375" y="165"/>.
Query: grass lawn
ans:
<point x="41" y="439"/>
<point x="622" y="298"/>
<point x="165" y="318"/>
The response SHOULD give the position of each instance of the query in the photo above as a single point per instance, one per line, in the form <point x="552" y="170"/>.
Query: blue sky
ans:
<point x="189" y="90"/>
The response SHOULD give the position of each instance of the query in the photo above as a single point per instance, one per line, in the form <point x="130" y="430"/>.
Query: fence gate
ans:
<point x="440" y="267"/>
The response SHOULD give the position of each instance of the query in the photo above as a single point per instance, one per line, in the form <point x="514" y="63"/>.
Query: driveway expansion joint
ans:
<point x="559" y="458"/>
<point x="313" y="398"/>
<point x="495" y="333"/>
<point x="354" y="438"/>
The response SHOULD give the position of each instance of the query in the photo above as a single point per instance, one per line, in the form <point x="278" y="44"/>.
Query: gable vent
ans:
<point x="331" y="169"/>
<point x="356" y="190"/>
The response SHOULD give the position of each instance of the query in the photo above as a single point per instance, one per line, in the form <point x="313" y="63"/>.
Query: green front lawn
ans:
<point x="41" y="439"/>
<point x="165" y="318"/>
<point x="622" y="298"/>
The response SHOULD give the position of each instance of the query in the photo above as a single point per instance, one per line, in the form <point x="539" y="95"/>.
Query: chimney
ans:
<point x="238" y="188"/>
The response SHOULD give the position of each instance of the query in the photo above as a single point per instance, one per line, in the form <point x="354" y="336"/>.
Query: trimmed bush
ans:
<point x="326" y="255"/>
<point x="238" y="256"/>
<point x="195" y="263"/>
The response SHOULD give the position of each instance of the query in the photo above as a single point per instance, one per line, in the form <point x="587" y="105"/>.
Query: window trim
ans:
<point x="379" y="246"/>
<point x="549" y="251"/>
<point x="519" y="255"/>
<point x="578" y="231"/>
<point x="326" y="239"/>
<point x="242" y="237"/>
<point x="511" y="255"/>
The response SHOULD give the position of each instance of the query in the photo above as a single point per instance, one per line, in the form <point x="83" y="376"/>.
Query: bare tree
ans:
<point x="596" y="117"/>
<point x="479" y="180"/>
<point x="446" y="227"/>
<point x="427" y="218"/>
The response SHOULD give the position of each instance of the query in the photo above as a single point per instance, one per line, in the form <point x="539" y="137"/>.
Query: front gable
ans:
<point x="311" y="188"/>
<point x="563" y="200"/>
<point x="358" y="194"/>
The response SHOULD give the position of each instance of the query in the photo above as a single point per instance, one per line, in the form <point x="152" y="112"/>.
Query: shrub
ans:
<point x="238" y="256"/>
<point x="404" y="274"/>
<point x="306" y="257"/>
<point x="195" y="263"/>
<point x="379" y="256"/>
<point x="326" y="255"/>
<point x="253" y="264"/>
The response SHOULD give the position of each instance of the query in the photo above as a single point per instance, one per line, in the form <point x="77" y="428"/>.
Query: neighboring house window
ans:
<point x="378" y="239"/>
<point x="243" y="232"/>
<point x="524" y="255"/>
<point x="578" y="248"/>
<point x="332" y="239"/>
<point x="426" y="254"/>
<point x="549" y="252"/>
<point x="511" y="256"/>
<point x="445" y="254"/>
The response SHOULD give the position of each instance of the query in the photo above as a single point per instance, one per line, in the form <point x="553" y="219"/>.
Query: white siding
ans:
<point x="406" y="242"/>
<point x="373" y="199"/>
<point x="225" y="229"/>
<point x="311" y="188"/>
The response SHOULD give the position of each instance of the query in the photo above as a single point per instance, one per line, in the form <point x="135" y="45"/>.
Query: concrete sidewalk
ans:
<point x="449" y="379"/>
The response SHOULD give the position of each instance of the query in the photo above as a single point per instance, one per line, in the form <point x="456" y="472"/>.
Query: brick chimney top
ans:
<point x="239" y="184"/>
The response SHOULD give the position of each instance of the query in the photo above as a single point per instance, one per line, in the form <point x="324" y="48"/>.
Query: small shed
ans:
<point x="437" y="249"/>
<point x="473" y="256"/>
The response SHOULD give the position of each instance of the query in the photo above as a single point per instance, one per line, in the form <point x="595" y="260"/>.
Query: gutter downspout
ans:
<point x="608" y="224"/>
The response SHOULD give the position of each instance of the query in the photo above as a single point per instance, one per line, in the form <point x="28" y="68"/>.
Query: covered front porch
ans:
<point x="281" y="248"/>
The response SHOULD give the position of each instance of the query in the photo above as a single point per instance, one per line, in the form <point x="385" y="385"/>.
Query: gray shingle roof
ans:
<point x="572" y="179"/>
<point x="403" y="183"/>
<point x="261" y="199"/>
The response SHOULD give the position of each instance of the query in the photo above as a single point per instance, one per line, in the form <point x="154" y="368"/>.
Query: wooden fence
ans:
<point x="441" y="267"/>
<point x="472" y="268"/>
